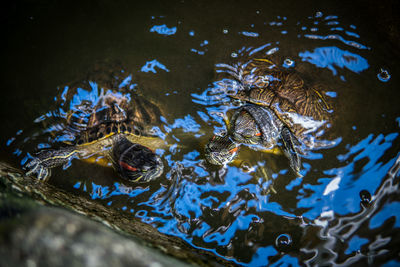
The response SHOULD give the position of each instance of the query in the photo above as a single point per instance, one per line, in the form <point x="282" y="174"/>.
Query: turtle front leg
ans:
<point x="44" y="160"/>
<point x="289" y="149"/>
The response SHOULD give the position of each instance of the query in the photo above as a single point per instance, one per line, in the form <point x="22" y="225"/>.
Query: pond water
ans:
<point x="345" y="208"/>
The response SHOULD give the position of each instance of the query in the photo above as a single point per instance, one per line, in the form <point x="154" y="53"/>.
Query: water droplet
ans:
<point x="383" y="75"/>
<point x="225" y="31"/>
<point x="365" y="197"/>
<point x="283" y="242"/>
<point x="318" y="14"/>
<point x="234" y="54"/>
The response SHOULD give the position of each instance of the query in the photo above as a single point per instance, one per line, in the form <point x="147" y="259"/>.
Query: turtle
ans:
<point x="278" y="106"/>
<point x="114" y="126"/>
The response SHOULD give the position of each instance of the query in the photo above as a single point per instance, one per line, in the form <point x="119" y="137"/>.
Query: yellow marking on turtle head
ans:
<point x="137" y="180"/>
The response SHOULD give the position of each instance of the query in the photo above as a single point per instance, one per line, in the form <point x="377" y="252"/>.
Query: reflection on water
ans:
<point x="344" y="210"/>
<point x="328" y="57"/>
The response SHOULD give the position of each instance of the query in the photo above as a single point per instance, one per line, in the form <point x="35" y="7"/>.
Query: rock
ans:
<point x="48" y="236"/>
<point x="36" y="235"/>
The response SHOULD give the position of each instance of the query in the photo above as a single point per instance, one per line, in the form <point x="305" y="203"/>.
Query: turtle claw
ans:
<point x="298" y="174"/>
<point x="36" y="168"/>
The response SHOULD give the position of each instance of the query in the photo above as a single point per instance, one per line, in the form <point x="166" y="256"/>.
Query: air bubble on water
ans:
<point x="234" y="54"/>
<point x="225" y="31"/>
<point x="318" y="14"/>
<point x="283" y="241"/>
<point x="287" y="63"/>
<point x="383" y="75"/>
<point x="365" y="198"/>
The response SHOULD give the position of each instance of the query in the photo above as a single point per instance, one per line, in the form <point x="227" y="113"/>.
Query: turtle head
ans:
<point x="135" y="162"/>
<point x="245" y="129"/>
<point x="221" y="150"/>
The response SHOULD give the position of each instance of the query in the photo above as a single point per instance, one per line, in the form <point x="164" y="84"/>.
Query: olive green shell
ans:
<point x="112" y="115"/>
<point x="284" y="92"/>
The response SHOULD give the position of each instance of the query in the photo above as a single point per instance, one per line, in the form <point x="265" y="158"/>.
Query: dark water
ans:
<point x="344" y="210"/>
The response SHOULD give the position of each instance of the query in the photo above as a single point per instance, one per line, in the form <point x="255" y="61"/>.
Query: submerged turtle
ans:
<point x="280" y="107"/>
<point x="114" y="126"/>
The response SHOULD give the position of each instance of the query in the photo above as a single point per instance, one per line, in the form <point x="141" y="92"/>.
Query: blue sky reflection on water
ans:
<point x="329" y="57"/>
<point x="163" y="29"/>
<point x="339" y="191"/>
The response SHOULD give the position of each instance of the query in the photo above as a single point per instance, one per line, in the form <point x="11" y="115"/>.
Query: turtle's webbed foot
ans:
<point x="44" y="160"/>
<point x="35" y="167"/>
<point x="289" y="149"/>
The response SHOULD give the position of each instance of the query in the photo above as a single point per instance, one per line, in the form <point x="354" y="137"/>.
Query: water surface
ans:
<point x="345" y="207"/>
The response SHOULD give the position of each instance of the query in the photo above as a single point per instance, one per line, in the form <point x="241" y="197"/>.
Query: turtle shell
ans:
<point x="303" y="109"/>
<point x="111" y="114"/>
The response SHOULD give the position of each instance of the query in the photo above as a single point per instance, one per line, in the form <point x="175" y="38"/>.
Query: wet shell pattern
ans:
<point x="305" y="110"/>
<point x="112" y="115"/>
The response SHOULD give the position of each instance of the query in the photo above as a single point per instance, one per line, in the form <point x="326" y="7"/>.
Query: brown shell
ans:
<point x="285" y="93"/>
<point x="110" y="116"/>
